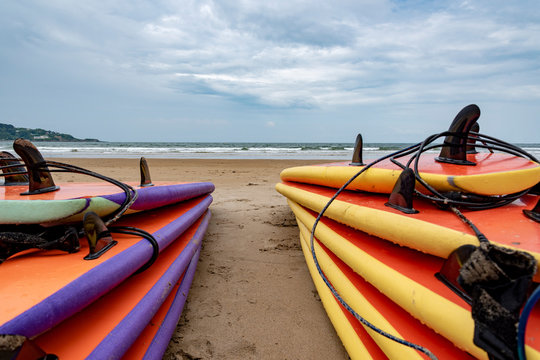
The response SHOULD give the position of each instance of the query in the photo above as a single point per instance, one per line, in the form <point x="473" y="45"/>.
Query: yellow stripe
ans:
<point x="353" y="344"/>
<point x="383" y="180"/>
<point x="413" y="233"/>
<point x="445" y="317"/>
<point x="374" y="180"/>
<point x="350" y="294"/>
<point x="499" y="183"/>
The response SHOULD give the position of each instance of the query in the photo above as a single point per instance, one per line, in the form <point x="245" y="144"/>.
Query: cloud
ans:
<point x="283" y="55"/>
<point x="293" y="53"/>
<point x="289" y="53"/>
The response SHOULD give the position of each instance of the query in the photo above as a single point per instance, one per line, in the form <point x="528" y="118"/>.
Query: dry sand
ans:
<point x="252" y="296"/>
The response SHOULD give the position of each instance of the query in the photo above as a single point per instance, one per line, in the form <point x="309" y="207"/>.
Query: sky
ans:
<point x="269" y="71"/>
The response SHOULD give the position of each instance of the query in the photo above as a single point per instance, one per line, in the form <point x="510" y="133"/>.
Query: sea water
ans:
<point x="194" y="150"/>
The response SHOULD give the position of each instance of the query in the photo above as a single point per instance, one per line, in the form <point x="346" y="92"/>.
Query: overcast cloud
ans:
<point x="269" y="71"/>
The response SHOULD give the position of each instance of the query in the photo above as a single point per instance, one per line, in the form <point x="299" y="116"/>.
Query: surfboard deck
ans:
<point x="72" y="200"/>
<point x="432" y="230"/>
<point x="45" y="287"/>
<point x="108" y="327"/>
<point x="406" y="277"/>
<point x="494" y="174"/>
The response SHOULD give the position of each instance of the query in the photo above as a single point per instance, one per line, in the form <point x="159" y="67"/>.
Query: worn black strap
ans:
<point x="59" y="238"/>
<point x="498" y="280"/>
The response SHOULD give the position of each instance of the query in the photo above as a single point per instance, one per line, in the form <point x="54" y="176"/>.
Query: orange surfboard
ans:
<point x="43" y="288"/>
<point x="431" y="230"/>
<point x="407" y="278"/>
<point x="109" y="326"/>
<point x="494" y="174"/>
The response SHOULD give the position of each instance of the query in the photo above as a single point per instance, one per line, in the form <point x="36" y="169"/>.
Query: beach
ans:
<point x="252" y="296"/>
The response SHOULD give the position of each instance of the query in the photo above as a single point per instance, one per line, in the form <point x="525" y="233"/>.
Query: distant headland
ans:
<point x="10" y="132"/>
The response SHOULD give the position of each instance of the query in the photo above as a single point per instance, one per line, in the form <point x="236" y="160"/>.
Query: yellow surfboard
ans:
<point x="494" y="174"/>
<point x="433" y="231"/>
<point x="377" y="309"/>
<point x="357" y="342"/>
<point x="404" y="276"/>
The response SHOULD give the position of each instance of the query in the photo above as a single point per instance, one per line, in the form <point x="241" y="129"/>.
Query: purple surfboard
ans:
<point x="44" y="288"/>
<point x="143" y="294"/>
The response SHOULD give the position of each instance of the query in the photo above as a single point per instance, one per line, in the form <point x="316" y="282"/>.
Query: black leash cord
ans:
<point x="417" y="150"/>
<point x="483" y="202"/>
<point x="329" y="285"/>
<point x="129" y="230"/>
<point x="131" y="193"/>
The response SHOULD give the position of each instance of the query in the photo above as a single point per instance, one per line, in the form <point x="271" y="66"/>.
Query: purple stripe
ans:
<point x="158" y="196"/>
<point x="120" y="339"/>
<point x="88" y="287"/>
<point x="159" y="344"/>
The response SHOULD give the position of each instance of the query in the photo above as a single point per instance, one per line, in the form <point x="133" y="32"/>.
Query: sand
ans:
<point x="252" y="296"/>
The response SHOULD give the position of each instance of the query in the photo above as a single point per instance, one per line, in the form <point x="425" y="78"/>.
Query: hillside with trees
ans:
<point x="10" y="132"/>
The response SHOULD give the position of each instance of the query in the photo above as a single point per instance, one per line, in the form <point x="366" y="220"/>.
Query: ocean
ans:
<point x="193" y="150"/>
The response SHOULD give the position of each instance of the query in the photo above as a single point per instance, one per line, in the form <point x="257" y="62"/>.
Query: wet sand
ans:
<point x="252" y="296"/>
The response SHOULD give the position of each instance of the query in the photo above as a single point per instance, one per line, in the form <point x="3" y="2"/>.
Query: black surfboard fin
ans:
<point x="401" y="197"/>
<point x="535" y="190"/>
<point x="449" y="272"/>
<point x="145" y="173"/>
<point x="99" y="237"/>
<point x="40" y="179"/>
<point x="357" y="152"/>
<point x="534" y="213"/>
<point x="14" y="171"/>
<point x="454" y="150"/>
<point x="18" y="347"/>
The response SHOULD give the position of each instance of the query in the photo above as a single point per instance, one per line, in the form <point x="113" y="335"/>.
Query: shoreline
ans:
<point x="252" y="296"/>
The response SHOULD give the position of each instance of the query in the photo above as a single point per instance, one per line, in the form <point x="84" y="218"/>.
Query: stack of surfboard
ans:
<point x="382" y="262"/>
<point x="102" y="308"/>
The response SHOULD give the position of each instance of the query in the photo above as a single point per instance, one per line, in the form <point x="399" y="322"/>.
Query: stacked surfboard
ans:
<point x="374" y="263"/>
<point x="124" y="302"/>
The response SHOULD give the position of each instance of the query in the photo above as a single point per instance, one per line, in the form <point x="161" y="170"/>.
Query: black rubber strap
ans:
<point x="129" y="230"/>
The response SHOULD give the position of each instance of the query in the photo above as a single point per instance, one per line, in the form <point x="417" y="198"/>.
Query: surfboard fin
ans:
<point x="145" y="173"/>
<point x="535" y="190"/>
<point x="454" y="150"/>
<point x="17" y="347"/>
<point x="357" y="152"/>
<point x="449" y="272"/>
<point x="14" y="172"/>
<point x="40" y="179"/>
<point x="401" y="197"/>
<point x="534" y="213"/>
<point x="99" y="237"/>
